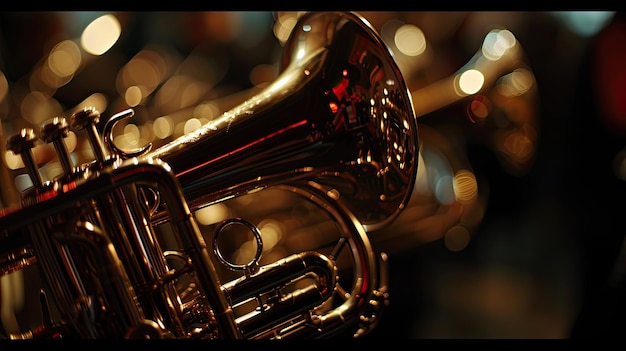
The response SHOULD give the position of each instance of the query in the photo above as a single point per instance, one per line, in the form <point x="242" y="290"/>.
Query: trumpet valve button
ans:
<point x="23" y="141"/>
<point x="84" y="118"/>
<point x="87" y="119"/>
<point x="22" y="144"/>
<point x="54" y="132"/>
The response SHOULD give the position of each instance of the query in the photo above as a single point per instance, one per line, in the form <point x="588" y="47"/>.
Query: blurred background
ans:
<point x="514" y="225"/>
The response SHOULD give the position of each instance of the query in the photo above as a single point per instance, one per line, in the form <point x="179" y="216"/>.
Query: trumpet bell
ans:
<point x="339" y="114"/>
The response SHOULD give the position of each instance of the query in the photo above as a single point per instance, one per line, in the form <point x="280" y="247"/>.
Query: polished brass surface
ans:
<point x="118" y="247"/>
<point x="338" y="114"/>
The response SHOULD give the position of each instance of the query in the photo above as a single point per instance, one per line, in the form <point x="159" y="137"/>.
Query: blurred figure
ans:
<point x="598" y="141"/>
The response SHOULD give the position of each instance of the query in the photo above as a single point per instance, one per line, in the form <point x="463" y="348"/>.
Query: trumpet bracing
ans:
<point x="115" y="241"/>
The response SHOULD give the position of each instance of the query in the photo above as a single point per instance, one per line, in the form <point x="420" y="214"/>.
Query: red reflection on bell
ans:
<point x="333" y="107"/>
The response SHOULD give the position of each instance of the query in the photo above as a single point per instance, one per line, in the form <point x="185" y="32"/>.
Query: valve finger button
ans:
<point x="54" y="132"/>
<point x="87" y="119"/>
<point x="22" y="144"/>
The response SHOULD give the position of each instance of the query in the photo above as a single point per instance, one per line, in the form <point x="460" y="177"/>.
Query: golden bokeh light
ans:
<point x="65" y="59"/>
<point x="285" y="21"/>
<point x="465" y="186"/>
<point x="410" y="40"/>
<point x="470" y="82"/>
<point x="271" y="231"/>
<point x="133" y="96"/>
<point x="147" y="69"/>
<point x="212" y="214"/>
<point x="13" y="161"/>
<point x="191" y="125"/>
<point x="207" y="110"/>
<point x="497" y="43"/>
<point x="516" y="83"/>
<point x="163" y="127"/>
<point x="37" y="107"/>
<point x="101" y="34"/>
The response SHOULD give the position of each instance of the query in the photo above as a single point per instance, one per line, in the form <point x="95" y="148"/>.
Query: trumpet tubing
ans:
<point x="119" y="250"/>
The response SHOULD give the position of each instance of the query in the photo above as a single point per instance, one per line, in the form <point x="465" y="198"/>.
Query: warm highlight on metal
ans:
<point x="119" y="251"/>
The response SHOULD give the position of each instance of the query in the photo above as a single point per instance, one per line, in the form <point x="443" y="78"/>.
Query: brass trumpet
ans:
<point x="120" y="254"/>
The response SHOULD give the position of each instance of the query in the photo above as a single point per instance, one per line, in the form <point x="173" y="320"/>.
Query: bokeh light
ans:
<point x="101" y="34"/>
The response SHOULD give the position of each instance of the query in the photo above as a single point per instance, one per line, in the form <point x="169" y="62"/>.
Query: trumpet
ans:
<point x="121" y="255"/>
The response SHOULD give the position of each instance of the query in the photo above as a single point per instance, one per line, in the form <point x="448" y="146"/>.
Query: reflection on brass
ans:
<point x="120" y="253"/>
